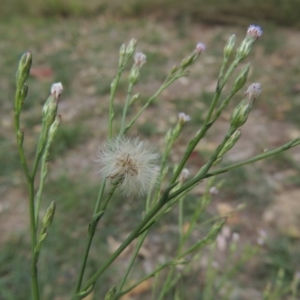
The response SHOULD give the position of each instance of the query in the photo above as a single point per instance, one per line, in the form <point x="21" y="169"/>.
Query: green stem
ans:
<point x="113" y="90"/>
<point x="30" y="184"/>
<point x="207" y="124"/>
<point x="92" y="229"/>
<point x="120" y="294"/>
<point x="203" y="174"/>
<point x="125" y="109"/>
<point x="135" y="233"/>
<point x="267" y="154"/>
<point x="151" y="99"/>
<point x="132" y="260"/>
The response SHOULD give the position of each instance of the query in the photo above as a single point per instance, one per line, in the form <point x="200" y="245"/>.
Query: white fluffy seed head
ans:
<point x="129" y="162"/>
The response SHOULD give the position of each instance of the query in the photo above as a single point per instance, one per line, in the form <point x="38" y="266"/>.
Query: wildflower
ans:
<point x="254" y="31"/>
<point x="200" y="47"/>
<point x="183" y="118"/>
<point x="56" y="89"/>
<point x="253" y="91"/>
<point x="130" y="163"/>
<point x="139" y="59"/>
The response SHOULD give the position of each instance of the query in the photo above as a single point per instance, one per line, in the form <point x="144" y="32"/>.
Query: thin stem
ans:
<point x="125" y="109"/>
<point x="193" y="143"/>
<point x="156" y="271"/>
<point x="30" y="184"/>
<point x="180" y="219"/>
<point x="267" y="154"/>
<point x="132" y="260"/>
<point x="134" y="234"/>
<point x="151" y="99"/>
<point x="202" y="175"/>
<point x="113" y="90"/>
<point x="34" y="271"/>
<point x="92" y="228"/>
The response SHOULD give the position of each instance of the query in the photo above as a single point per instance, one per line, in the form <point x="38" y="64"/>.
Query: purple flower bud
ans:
<point x="139" y="59"/>
<point x="200" y="47"/>
<point x="254" y="31"/>
<point x="253" y="91"/>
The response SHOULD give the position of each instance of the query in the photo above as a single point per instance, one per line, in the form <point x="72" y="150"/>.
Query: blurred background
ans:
<point x="77" y="43"/>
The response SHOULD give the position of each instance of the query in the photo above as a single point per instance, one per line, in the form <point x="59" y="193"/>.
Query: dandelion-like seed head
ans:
<point x="139" y="59"/>
<point x="130" y="163"/>
<point x="254" y="31"/>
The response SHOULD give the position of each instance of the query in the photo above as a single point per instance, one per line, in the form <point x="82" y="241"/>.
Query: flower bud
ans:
<point x="200" y="47"/>
<point x="50" y="106"/>
<point x="111" y="293"/>
<point x="253" y="92"/>
<point x="229" y="47"/>
<point x="140" y="59"/>
<point x="240" y="114"/>
<point x="241" y="79"/>
<point x="134" y="75"/>
<point x="56" y="89"/>
<point x="135" y="98"/>
<point x="131" y="47"/>
<point x="122" y="53"/>
<point x="183" y="118"/>
<point x="47" y="220"/>
<point x="253" y="33"/>
<point x="24" y="69"/>
<point x="54" y="128"/>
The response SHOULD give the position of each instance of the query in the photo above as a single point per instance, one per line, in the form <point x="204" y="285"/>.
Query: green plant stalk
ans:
<point x="193" y="143"/>
<point x="92" y="228"/>
<point x="43" y="176"/>
<point x="229" y="273"/>
<point x="137" y="247"/>
<point x="132" y="260"/>
<point x="180" y="220"/>
<point x="156" y="271"/>
<point x="125" y="109"/>
<point x="210" y="274"/>
<point x="134" y="234"/>
<point x="203" y="204"/>
<point x="114" y="86"/>
<point x="152" y="98"/>
<point x="30" y="184"/>
<point x="202" y="175"/>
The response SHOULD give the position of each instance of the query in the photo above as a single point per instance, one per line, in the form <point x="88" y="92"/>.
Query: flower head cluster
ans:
<point x="130" y="163"/>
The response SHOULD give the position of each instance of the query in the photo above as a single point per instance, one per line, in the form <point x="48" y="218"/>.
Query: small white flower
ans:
<point x="254" y="31"/>
<point x="200" y="47"/>
<point x="56" y="89"/>
<point x="253" y="91"/>
<point x="130" y="163"/>
<point x="139" y="59"/>
<point x="183" y="118"/>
